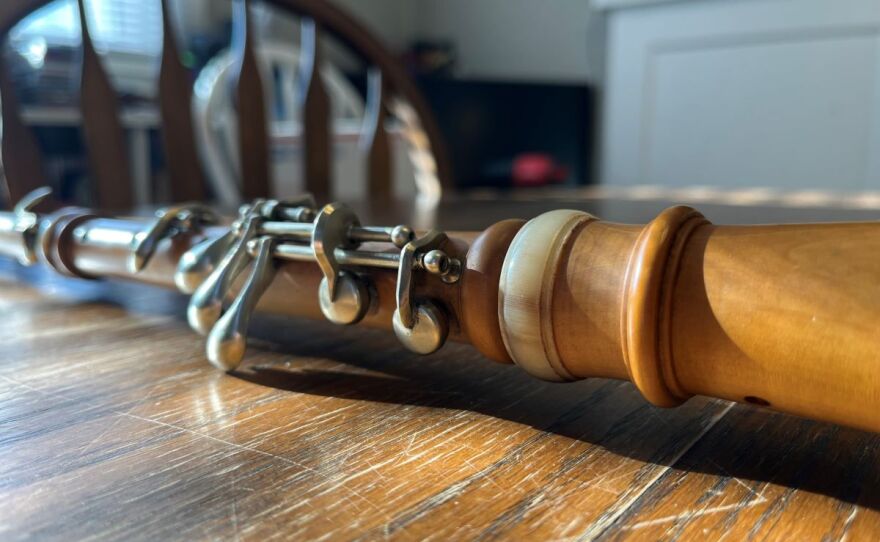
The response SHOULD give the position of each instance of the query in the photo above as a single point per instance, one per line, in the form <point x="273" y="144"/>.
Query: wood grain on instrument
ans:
<point x="479" y="288"/>
<point x="785" y="317"/>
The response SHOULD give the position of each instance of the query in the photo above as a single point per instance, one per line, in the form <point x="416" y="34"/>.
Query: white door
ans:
<point x="776" y="93"/>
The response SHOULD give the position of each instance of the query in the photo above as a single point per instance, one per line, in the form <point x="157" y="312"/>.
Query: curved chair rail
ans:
<point x="389" y="88"/>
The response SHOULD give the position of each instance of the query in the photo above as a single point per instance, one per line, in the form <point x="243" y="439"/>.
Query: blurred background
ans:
<point x="754" y="99"/>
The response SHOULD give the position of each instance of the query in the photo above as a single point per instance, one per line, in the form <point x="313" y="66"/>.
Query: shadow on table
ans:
<point x="747" y="443"/>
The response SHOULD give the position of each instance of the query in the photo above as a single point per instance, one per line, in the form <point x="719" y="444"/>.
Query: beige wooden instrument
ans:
<point x="785" y="317"/>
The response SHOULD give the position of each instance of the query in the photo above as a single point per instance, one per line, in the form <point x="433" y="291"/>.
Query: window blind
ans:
<point x="119" y="26"/>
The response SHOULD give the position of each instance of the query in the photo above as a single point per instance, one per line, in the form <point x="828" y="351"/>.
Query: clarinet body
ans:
<point x="780" y="316"/>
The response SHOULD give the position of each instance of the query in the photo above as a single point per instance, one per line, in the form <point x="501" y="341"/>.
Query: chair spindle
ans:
<point x="185" y="173"/>
<point x="374" y="140"/>
<point x="253" y="136"/>
<point x="104" y="137"/>
<point x="315" y="115"/>
<point x="21" y="157"/>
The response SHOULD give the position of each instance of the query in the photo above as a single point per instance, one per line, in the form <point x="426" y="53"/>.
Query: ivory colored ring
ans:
<point x="525" y="296"/>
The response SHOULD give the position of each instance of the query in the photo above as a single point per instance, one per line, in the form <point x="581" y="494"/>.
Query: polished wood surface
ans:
<point x="479" y="288"/>
<point x="779" y="316"/>
<point x="112" y="424"/>
<point x="670" y="306"/>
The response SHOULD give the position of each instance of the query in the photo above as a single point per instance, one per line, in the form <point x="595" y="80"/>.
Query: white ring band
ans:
<point x="526" y="292"/>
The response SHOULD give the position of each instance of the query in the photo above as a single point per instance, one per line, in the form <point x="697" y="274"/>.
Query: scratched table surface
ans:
<point x="113" y="426"/>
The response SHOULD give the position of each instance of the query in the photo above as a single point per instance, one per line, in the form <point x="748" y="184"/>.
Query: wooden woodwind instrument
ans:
<point x="785" y="317"/>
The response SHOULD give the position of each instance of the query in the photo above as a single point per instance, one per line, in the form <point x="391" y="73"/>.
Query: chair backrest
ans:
<point x="216" y="123"/>
<point x="389" y="90"/>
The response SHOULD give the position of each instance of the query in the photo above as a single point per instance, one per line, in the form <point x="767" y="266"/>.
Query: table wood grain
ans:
<point x="113" y="426"/>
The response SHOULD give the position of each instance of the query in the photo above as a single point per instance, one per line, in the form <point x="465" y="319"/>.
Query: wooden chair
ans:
<point x="389" y="90"/>
<point x="216" y="122"/>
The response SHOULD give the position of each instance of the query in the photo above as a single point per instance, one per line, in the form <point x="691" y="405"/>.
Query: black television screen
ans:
<point x="496" y="131"/>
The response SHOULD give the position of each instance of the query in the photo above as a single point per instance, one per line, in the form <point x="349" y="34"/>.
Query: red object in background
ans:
<point x="537" y="169"/>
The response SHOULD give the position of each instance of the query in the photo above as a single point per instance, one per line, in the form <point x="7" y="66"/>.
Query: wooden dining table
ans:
<point x="113" y="426"/>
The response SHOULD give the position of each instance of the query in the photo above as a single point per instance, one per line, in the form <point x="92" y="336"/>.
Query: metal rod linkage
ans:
<point x="304" y="253"/>
<point x="302" y="231"/>
<point x="448" y="268"/>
